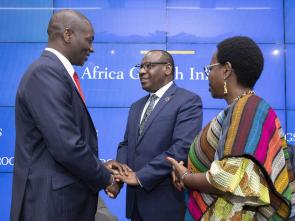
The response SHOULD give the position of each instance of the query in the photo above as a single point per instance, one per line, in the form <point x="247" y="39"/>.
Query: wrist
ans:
<point x="185" y="174"/>
<point x="112" y="180"/>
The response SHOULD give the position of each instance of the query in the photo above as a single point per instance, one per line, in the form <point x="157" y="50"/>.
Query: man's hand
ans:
<point x="130" y="179"/>
<point x="117" y="168"/>
<point x="113" y="190"/>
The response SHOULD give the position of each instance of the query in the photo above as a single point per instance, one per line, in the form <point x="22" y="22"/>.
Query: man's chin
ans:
<point x="145" y="88"/>
<point x="80" y="63"/>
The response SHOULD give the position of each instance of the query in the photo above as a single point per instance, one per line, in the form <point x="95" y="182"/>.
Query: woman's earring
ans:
<point x="225" y="88"/>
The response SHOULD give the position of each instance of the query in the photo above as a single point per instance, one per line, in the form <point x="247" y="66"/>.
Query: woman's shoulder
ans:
<point x="252" y="101"/>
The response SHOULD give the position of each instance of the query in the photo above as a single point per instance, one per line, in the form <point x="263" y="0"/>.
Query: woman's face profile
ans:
<point x="215" y="78"/>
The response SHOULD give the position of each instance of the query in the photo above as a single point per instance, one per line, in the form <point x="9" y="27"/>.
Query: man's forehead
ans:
<point x="86" y="31"/>
<point x="152" y="56"/>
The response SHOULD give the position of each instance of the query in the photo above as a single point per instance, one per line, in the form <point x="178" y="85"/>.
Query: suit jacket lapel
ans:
<point x="165" y="99"/>
<point x="137" y="114"/>
<point x="50" y="54"/>
<point x="65" y="72"/>
<point x="76" y="89"/>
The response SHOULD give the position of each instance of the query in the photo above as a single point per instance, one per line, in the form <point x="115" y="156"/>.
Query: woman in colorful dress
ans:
<point x="238" y="166"/>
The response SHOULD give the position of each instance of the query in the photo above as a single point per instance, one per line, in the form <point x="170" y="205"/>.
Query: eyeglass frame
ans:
<point x="148" y="65"/>
<point x="207" y="68"/>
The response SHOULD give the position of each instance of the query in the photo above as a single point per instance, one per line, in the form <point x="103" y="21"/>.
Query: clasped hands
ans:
<point x="121" y="173"/>
<point x="179" y="171"/>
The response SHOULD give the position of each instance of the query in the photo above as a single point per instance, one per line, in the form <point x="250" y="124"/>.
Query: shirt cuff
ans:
<point x="139" y="181"/>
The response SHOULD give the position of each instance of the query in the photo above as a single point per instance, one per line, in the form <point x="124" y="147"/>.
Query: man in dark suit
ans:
<point x="163" y="123"/>
<point x="57" y="173"/>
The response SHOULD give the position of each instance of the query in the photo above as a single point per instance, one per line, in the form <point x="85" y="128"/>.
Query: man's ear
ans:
<point x="168" y="69"/>
<point x="67" y="35"/>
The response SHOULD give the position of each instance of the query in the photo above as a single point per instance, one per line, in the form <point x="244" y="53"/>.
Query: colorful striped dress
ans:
<point x="244" y="154"/>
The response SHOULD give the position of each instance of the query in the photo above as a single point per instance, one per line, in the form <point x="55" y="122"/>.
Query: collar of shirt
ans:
<point x="66" y="63"/>
<point x="162" y="90"/>
<point x="159" y="94"/>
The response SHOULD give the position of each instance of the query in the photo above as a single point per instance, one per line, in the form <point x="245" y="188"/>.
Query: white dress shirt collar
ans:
<point x="159" y="94"/>
<point x="162" y="90"/>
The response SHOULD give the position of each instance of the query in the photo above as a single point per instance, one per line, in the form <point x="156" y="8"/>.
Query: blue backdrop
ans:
<point x="124" y="29"/>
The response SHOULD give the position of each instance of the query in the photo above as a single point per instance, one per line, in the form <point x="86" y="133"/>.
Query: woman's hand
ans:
<point x="178" y="172"/>
<point x="193" y="181"/>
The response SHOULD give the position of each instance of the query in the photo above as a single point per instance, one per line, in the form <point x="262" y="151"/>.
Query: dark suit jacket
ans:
<point x="169" y="131"/>
<point x="57" y="173"/>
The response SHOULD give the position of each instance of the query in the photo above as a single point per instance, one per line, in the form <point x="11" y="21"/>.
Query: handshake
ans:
<point x="121" y="174"/>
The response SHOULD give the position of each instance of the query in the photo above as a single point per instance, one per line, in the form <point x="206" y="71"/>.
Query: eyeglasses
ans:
<point x="148" y="65"/>
<point x="208" y="68"/>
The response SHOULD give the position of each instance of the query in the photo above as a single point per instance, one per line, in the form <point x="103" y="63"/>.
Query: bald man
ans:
<point x="57" y="173"/>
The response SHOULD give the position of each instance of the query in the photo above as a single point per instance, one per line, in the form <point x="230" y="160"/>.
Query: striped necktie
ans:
<point x="148" y="111"/>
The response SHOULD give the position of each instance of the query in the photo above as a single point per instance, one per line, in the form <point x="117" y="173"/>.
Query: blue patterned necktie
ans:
<point x="148" y="111"/>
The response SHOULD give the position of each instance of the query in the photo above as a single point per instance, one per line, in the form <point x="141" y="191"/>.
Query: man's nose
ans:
<point x="91" y="49"/>
<point x="142" y="71"/>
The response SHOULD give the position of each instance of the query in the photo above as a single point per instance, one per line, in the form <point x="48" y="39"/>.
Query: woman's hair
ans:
<point x="245" y="57"/>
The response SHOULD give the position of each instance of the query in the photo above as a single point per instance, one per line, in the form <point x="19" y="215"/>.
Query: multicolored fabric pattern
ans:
<point x="244" y="154"/>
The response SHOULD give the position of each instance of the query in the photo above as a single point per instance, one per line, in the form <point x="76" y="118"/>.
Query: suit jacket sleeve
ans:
<point x="188" y="124"/>
<point x="49" y="98"/>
